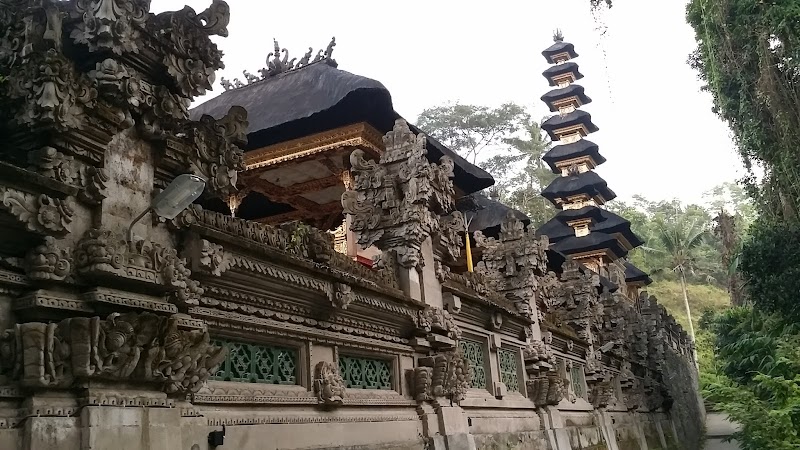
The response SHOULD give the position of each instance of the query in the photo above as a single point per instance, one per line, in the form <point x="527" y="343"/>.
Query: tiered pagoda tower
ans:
<point x="584" y="230"/>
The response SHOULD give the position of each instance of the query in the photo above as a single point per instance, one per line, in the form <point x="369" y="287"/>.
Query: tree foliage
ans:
<point x="471" y="129"/>
<point x="506" y="142"/>
<point x="749" y="55"/>
<point x="757" y="382"/>
<point x="770" y="263"/>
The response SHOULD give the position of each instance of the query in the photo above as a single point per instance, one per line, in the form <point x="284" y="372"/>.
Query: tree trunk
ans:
<point x="688" y="315"/>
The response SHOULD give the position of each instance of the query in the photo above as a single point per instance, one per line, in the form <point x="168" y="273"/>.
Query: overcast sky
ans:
<point x="656" y="127"/>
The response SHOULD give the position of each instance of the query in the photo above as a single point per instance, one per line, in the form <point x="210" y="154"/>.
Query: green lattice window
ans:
<point x="576" y="378"/>
<point x="253" y="363"/>
<point x="508" y="369"/>
<point x="474" y="352"/>
<point x="365" y="373"/>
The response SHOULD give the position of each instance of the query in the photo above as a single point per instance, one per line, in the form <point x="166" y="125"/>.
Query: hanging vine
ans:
<point x="748" y="56"/>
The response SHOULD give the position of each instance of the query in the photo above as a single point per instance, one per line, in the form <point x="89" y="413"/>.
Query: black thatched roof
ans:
<point x="576" y="117"/>
<point x="581" y="147"/>
<point x="603" y="221"/>
<point x="588" y="183"/>
<point x="590" y="242"/>
<point x="320" y="97"/>
<point x="560" y="69"/>
<point x="573" y="90"/>
<point x="634" y="275"/>
<point x="483" y="213"/>
<point x="559" y="47"/>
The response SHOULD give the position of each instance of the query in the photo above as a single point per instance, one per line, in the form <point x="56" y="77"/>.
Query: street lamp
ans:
<point x="176" y="197"/>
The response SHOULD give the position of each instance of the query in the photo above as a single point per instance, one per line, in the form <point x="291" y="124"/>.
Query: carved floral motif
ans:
<point x="341" y="295"/>
<point x="38" y="212"/>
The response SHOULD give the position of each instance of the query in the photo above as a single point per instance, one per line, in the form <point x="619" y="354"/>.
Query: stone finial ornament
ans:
<point x="514" y="264"/>
<point x="403" y="199"/>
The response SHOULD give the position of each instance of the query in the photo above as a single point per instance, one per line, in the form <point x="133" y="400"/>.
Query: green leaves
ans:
<point x="758" y="384"/>
<point x="770" y="262"/>
<point x="748" y="54"/>
<point x="506" y="142"/>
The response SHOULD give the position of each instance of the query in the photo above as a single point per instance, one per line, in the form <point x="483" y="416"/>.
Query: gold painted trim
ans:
<point x="594" y="254"/>
<point x="581" y="159"/>
<point x="360" y="135"/>
<point x="580" y="128"/>
<point x="559" y="58"/>
<point x="579" y="222"/>
<point x="568" y="77"/>
<point x="568" y="101"/>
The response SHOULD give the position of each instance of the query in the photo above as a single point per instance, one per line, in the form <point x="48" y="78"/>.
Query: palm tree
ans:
<point x="680" y="239"/>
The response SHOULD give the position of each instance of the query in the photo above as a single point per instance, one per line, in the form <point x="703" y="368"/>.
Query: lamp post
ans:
<point x="176" y="197"/>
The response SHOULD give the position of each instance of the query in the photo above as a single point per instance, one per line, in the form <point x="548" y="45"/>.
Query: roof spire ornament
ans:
<point x="558" y="36"/>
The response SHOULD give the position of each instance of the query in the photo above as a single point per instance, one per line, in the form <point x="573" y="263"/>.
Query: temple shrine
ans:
<point x="582" y="229"/>
<point x="286" y="265"/>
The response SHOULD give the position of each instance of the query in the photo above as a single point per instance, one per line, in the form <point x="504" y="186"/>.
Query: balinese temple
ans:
<point x="283" y="266"/>
<point x="582" y="229"/>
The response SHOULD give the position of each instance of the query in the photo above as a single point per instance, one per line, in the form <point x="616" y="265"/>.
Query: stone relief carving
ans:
<point x="403" y="199"/>
<point x="577" y="302"/>
<point x="437" y="321"/>
<point x="341" y="295"/>
<point x="111" y="24"/>
<point x="548" y="389"/>
<point x="211" y="149"/>
<point x="101" y="253"/>
<point x="445" y="375"/>
<point x="328" y="383"/>
<point x="48" y="261"/>
<point x="214" y="257"/>
<point x="130" y="347"/>
<point x="195" y="58"/>
<point x="513" y="264"/>
<point x="50" y="92"/>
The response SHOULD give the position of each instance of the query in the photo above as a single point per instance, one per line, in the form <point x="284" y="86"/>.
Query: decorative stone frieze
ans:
<point x="101" y="254"/>
<point x="400" y="201"/>
<point x="138" y="348"/>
